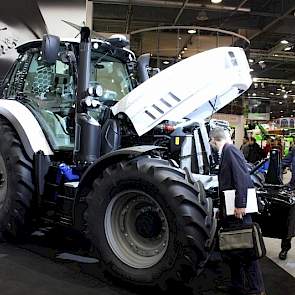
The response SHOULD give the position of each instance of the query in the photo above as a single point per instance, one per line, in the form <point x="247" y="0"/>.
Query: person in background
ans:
<point x="234" y="174"/>
<point x="267" y="147"/>
<point x="277" y="145"/>
<point x="245" y="147"/>
<point x="255" y="152"/>
<point x="289" y="161"/>
<point x="292" y="144"/>
<point x="281" y="145"/>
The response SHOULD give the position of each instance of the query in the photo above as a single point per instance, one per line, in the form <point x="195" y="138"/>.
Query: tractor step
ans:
<point x="70" y="189"/>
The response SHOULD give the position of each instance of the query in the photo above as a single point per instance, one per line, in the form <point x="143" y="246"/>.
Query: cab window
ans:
<point x="49" y="92"/>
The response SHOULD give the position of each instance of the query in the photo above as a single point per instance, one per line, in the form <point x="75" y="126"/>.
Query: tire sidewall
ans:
<point x="107" y="191"/>
<point x="10" y="164"/>
<point x="15" y="212"/>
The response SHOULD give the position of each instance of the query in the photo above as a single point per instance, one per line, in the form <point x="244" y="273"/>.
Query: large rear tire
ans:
<point x="148" y="224"/>
<point x="16" y="184"/>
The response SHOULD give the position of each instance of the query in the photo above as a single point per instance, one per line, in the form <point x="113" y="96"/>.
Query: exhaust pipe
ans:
<point x="88" y="130"/>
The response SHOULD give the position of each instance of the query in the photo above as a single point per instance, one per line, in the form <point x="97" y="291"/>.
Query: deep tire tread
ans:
<point x="13" y="216"/>
<point x="189" y="205"/>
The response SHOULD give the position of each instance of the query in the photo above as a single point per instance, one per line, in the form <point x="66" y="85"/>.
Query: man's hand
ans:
<point x="239" y="212"/>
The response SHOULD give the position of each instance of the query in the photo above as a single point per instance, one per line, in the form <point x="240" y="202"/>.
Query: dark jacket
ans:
<point x="289" y="161"/>
<point x="255" y="153"/>
<point x="233" y="174"/>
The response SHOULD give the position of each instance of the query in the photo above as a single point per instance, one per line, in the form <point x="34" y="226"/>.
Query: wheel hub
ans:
<point x="136" y="229"/>
<point x="148" y="224"/>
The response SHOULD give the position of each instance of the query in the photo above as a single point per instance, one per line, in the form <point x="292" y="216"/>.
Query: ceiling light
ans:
<point x="192" y="31"/>
<point x="275" y="54"/>
<point x="284" y="42"/>
<point x="185" y="48"/>
<point x="292" y="115"/>
<point x="281" y="111"/>
<point x="293" y="82"/>
<point x="280" y="102"/>
<point x="254" y="79"/>
<point x="202" y="15"/>
<point x="250" y="60"/>
<point x="182" y="52"/>
<point x="179" y="38"/>
<point x="285" y="96"/>
<point x="261" y="62"/>
<point x="271" y="93"/>
<point x="254" y="94"/>
<point x="166" y="62"/>
<point x="216" y="1"/>
<point x="251" y="70"/>
<point x="288" y="48"/>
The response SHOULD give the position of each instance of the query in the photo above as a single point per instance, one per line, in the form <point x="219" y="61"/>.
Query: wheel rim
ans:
<point x="3" y="181"/>
<point x="136" y="229"/>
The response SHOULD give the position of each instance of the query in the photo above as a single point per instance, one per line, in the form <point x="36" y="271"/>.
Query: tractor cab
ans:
<point x="47" y="84"/>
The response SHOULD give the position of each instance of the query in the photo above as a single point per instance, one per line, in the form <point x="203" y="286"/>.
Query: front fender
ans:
<point x="26" y="126"/>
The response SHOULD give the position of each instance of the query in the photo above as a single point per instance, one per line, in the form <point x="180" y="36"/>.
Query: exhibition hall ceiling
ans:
<point x="268" y="24"/>
<point x="161" y="27"/>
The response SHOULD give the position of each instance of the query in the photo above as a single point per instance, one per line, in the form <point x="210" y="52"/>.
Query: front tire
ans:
<point x="148" y="224"/>
<point x="16" y="183"/>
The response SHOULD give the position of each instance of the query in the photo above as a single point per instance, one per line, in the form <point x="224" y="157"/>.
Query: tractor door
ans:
<point x="48" y="91"/>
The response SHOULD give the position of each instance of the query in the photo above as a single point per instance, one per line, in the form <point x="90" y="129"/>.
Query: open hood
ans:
<point x="193" y="88"/>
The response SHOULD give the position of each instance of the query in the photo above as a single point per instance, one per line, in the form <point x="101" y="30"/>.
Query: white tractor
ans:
<point x="82" y="147"/>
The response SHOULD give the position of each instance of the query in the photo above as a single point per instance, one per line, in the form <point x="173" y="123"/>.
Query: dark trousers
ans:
<point x="286" y="244"/>
<point x="242" y="270"/>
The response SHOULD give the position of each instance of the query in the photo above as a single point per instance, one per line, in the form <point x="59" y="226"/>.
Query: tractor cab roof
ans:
<point x="121" y="53"/>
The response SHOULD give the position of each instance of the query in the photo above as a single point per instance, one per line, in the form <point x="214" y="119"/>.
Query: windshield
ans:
<point x="111" y="74"/>
<point x="50" y="90"/>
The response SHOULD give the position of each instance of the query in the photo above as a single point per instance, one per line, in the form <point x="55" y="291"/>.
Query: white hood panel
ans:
<point x="188" y="89"/>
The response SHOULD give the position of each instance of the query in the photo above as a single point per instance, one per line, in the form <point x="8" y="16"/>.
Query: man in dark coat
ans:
<point x="255" y="152"/>
<point x="289" y="161"/>
<point x="233" y="174"/>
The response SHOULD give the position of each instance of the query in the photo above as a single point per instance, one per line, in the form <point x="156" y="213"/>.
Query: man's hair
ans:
<point x="219" y="134"/>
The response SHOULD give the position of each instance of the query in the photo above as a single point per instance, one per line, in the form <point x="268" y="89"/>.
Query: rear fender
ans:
<point x="26" y="126"/>
<point x="96" y="169"/>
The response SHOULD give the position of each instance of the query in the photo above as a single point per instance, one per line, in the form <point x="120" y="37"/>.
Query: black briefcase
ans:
<point x="244" y="241"/>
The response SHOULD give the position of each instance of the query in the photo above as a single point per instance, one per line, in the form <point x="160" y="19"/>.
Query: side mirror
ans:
<point x="50" y="49"/>
<point x="143" y="65"/>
